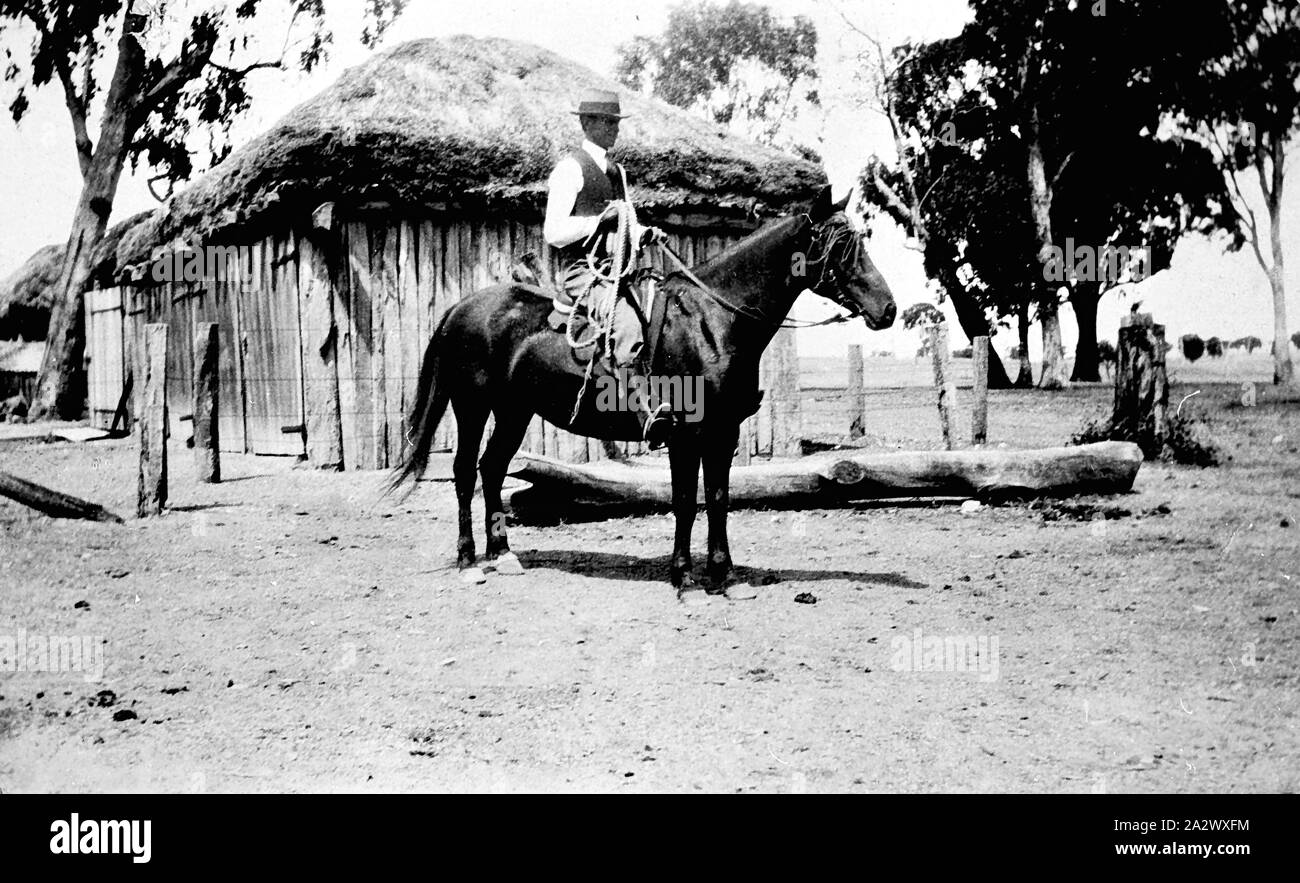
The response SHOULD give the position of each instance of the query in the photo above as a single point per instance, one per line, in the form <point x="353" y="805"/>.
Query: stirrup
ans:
<point x="656" y="424"/>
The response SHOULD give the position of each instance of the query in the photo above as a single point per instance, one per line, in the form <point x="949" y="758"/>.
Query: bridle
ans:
<point x="835" y="232"/>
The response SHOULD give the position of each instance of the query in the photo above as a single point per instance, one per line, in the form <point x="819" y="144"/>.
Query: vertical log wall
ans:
<point x="326" y="329"/>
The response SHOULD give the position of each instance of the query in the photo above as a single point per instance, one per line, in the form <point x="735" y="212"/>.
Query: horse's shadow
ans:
<point x="610" y="565"/>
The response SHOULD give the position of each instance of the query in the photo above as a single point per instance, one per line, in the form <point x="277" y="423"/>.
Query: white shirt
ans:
<point x="561" y="228"/>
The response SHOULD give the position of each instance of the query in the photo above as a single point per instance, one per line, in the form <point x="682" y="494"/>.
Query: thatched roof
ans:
<point x="29" y="287"/>
<point x="27" y="294"/>
<point x="470" y="124"/>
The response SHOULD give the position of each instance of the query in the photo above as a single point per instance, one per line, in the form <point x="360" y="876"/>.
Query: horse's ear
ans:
<point x="842" y="204"/>
<point x="821" y="207"/>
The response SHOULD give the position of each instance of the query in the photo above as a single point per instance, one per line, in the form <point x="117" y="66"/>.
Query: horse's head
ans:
<point x="844" y="273"/>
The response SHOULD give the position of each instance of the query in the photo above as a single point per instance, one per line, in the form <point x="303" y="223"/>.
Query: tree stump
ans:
<point x="1141" y="385"/>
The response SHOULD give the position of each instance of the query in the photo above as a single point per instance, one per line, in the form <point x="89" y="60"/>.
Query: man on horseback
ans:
<point x="590" y="221"/>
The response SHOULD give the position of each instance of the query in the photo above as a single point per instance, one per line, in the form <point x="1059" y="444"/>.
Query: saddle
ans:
<point x="528" y="270"/>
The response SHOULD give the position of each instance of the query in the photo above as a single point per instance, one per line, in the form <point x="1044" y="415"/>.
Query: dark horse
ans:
<point x="494" y="352"/>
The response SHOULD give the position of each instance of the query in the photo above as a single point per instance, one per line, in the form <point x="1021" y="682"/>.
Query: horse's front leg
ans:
<point x="684" y="460"/>
<point x="507" y="436"/>
<point x="719" y="449"/>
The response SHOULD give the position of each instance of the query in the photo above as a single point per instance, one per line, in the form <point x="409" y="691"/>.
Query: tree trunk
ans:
<point x="1053" y="375"/>
<point x="52" y="502"/>
<point x="1025" y="379"/>
<point x="838" y="477"/>
<point x="1040" y="208"/>
<point x="58" y="393"/>
<point x="1084" y="299"/>
<point x="974" y="324"/>
<point x="1283" y="368"/>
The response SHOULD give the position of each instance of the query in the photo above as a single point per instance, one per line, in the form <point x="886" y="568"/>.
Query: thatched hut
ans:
<point x="373" y="207"/>
<point x="27" y="294"/>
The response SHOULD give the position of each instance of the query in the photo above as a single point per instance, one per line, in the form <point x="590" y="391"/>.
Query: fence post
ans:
<point x="152" y="489"/>
<point x="944" y="382"/>
<point x="207" y="430"/>
<point x="979" y="428"/>
<point x="319" y="351"/>
<point x="855" y="394"/>
<point x="787" y="409"/>
<point x="743" y="451"/>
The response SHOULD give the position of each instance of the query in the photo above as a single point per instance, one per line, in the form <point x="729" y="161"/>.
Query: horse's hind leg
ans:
<point x="470" y="420"/>
<point x="507" y="435"/>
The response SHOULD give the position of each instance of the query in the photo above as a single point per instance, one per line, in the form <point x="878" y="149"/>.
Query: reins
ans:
<point x="742" y="310"/>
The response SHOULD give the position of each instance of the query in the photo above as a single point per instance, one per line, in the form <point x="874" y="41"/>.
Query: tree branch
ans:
<point x="181" y="70"/>
<point x="243" y="71"/>
<point x="937" y="178"/>
<point x="154" y="193"/>
<point x="76" y="107"/>
<point x="898" y="210"/>
<point x="1065" y="162"/>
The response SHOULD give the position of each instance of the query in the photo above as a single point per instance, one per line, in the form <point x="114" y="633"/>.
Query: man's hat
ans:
<point x="599" y="102"/>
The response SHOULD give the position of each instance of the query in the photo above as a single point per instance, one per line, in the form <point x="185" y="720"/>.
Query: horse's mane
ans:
<point x="760" y="242"/>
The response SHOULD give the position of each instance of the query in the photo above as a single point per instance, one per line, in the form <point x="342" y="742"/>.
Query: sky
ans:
<point x="1205" y="291"/>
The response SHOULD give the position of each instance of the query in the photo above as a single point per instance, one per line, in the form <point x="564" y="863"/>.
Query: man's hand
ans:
<point x="652" y="235"/>
<point x="610" y="213"/>
<point x="605" y="222"/>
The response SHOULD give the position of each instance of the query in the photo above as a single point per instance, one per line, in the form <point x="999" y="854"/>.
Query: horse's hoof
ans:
<point x="507" y="565"/>
<point x="472" y="576"/>
<point x="740" y="592"/>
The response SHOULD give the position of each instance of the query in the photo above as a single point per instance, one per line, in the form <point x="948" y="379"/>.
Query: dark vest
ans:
<point x="598" y="190"/>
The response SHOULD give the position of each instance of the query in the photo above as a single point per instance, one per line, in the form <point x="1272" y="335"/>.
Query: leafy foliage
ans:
<point x="167" y="99"/>
<point x="921" y="315"/>
<point x="1095" y="86"/>
<point x="1192" y="347"/>
<point x="1244" y="104"/>
<point x="738" y="64"/>
<point x="1188" y="439"/>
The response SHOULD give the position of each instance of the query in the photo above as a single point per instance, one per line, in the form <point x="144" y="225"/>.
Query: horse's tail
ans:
<point x="431" y="398"/>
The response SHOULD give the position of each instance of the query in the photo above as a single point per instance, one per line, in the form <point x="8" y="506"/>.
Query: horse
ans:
<point x="494" y="352"/>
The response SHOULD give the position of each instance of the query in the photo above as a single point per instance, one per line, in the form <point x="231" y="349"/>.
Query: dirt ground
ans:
<point x="289" y="631"/>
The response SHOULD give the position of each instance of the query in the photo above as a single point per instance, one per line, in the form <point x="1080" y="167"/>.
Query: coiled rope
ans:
<point x="622" y="264"/>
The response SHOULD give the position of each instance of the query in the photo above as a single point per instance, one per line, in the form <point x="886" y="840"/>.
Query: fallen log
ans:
<point x="844" y="476"/>
<point x="52" y="502"/>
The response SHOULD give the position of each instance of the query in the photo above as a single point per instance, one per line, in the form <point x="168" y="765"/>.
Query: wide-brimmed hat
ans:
<point x="600" y="103"/>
